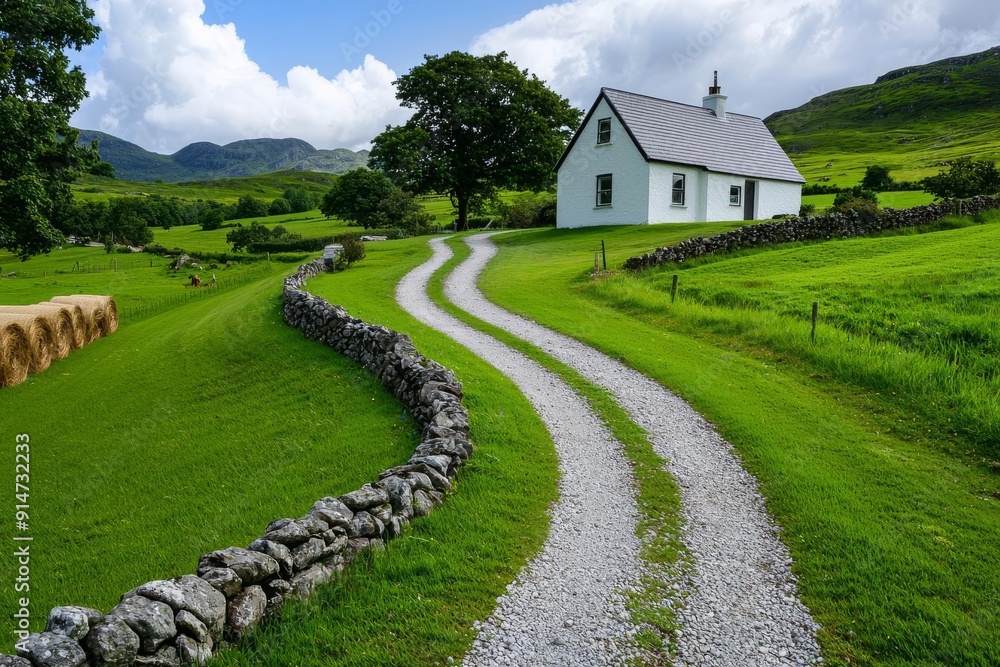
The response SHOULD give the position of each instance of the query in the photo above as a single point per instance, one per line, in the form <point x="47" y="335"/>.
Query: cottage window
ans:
<point x="604" y="190"/>
<point x="604" y="131"/>
<point x="735" y="195"/>
<point x="679" y="187"/>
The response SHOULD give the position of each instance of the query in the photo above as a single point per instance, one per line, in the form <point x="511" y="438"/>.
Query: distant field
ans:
<point x="192" y="239"/>
<point x="224" y="190"/>
<point x="886" y="199"/>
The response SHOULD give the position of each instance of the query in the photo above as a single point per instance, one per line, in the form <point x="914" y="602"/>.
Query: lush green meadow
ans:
<point x="142" y="284"/>
<point x="888" y="507"/>
<point x="224" y="190"/>
<point x="193" y="427"/>
<point x="898" y="200"/>
<point x="416" y="603"/>
<point x="186" y="432"/>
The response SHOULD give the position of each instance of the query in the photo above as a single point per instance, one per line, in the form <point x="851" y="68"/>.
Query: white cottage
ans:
<point x="640" y="160"/>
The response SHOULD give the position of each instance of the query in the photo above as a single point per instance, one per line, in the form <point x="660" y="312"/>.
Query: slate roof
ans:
<point x="667" y="131"/>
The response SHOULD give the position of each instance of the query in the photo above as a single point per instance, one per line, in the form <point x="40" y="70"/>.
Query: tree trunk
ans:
<point x="463" y="214"/>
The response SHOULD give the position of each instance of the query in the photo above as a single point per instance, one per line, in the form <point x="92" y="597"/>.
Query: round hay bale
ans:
<point x="41" y="337"/>
<point x="81" y="326"/>
<point x="15" y="355"/>
<point x="61" y="321"/>
<point x="105" y="309"/>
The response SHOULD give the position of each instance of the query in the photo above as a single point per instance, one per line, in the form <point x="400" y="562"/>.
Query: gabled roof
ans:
<point x="665" y="131"/>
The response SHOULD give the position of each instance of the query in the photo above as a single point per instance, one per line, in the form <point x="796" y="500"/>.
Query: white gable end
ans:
<point x="577" y="204"/>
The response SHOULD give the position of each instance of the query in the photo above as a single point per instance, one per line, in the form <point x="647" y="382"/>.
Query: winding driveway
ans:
<point x="567" y="606"/>
<point x="742" y="607"/>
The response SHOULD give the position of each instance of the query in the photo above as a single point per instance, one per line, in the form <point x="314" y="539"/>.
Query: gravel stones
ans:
<point x="741" y="597"/>
<point x="591" y="555"/>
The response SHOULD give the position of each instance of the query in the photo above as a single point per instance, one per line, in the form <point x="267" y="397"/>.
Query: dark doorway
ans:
<point x="750" y="200"/>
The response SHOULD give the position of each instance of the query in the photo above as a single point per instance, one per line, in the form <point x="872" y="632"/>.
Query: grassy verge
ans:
<point x="894" y="535"/>
<point x="415" y="604"/>
<point x="658" y="497"/>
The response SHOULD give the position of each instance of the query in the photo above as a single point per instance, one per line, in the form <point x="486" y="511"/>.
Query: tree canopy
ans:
<point x="480" y="125"/>
<point x="355" y="197"/>
<point x="38" y="94"/>
<point x="966" y="178"/>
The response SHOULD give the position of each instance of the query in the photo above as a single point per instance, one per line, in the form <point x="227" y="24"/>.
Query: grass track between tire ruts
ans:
<point x="893" y="528"/>
<point x="657" y="496"/>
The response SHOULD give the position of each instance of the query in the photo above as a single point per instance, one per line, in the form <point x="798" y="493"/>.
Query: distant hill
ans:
<point x="206" y="161"/>
<point x="913" y="119"/>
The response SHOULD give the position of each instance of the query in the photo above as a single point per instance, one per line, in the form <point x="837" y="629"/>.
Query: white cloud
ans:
<point x="168" y="79"/>
<point x="770" y="56"/>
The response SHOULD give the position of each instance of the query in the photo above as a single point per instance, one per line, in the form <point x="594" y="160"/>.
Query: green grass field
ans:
<point x="889" y="515"/>
<point x="415" y="604"/>
<point x="190" y="429"/>
<point x="183" y="433"/>
<point x="224" y="190"/>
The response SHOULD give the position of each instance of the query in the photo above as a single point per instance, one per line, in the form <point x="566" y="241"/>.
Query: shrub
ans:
<point x="806" y="210"/>
<point x="877" y="178"/>
<point x="856" y="198"/>
<point x="354" y="249"/>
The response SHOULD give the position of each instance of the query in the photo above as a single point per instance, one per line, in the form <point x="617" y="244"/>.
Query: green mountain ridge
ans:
<point x="207" y="161"/>
<point x="914" y="119"/>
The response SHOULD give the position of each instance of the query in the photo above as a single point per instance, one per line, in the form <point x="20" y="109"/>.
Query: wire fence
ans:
<point x="133" y="312"/>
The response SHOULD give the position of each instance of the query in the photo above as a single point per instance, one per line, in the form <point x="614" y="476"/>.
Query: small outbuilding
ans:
<point x="640" y="160"/>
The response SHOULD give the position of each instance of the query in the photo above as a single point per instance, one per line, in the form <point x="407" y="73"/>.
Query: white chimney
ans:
<point x="715" y="101"/>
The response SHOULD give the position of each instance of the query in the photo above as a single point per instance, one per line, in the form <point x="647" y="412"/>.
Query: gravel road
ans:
<point x="743" y="607"/>
<point x="567" y="606"/>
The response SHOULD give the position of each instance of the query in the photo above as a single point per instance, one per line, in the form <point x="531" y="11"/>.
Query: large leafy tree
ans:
<point x="480" y="125"/>
<point x="38" y="94"/>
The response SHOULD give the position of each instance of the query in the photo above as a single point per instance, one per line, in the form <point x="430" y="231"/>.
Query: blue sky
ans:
<point x="170" y="72"/>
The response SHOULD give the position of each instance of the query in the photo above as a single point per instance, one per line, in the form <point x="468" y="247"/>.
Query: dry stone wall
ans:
<point x="810" y="228"/>
<point x="187" y="619"/>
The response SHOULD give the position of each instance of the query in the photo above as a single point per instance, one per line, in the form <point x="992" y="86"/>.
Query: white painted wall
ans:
<point x="577" y="189"/>
<point x="661" y="188"/>
<point x="778" y="198"/>
<point x="719" y="208"/>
